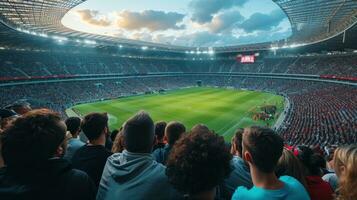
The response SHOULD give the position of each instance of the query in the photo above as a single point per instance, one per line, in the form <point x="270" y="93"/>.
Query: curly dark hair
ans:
<point x="198" y="162"/>
<point x="32" y="139"/>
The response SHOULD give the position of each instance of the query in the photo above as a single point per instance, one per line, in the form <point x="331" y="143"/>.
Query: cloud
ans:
<point x="150" y="19"/>
<point x="91" y="17"/>
<point x="225" y="21"/>
<point x="203" y="10"/>
<point x="262" y="22"/>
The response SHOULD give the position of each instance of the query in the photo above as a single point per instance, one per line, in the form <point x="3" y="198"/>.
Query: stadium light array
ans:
<point x="144" y="48"/>
<point x="90" y="42"/>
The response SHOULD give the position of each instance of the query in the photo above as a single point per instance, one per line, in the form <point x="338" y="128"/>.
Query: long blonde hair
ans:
<point x="346" y="157"/>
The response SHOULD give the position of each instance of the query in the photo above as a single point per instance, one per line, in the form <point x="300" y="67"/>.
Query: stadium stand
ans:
<point x="315" y="70"/>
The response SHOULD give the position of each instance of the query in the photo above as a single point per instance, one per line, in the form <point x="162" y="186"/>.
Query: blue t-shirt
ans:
<point x="292" y="190"/>
<point x="72" y="146"/>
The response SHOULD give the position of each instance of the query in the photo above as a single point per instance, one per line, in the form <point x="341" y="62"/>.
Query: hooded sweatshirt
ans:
<point x="134" y="176"/>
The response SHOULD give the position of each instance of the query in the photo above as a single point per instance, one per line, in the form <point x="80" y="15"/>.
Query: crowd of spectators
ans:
<point x="34" y="64"/>
<point x="256" y="164"/>
<point x="319" y="113"/>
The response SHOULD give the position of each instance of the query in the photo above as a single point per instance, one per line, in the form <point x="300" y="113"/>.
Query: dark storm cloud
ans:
<point x="225" y="21"/>
<point x="262" y="22"/>
<point x="203" y="10"/>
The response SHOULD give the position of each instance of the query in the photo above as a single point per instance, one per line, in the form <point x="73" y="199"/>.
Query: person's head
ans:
<point x="118" y="144"/>
<point x="6" y="118"/>
<point x="200" y="128"/>
<point x="32" y="139"/>
<point x="160" y="130"/>
<point x="114" y="134"/>
<point x="329" y="157"/>
<point x="198" y="162"/>
<point x="21" y="107"/>
<point x="236" y="143"/>
<point x="262" y="148"/>
<point x="311" y="161"/>
<point x="73" y="125"/>
<point x="95" y="126"/>
<point x="345" y="162"/>
<point x="139" y="133"/>
<point x="290" y="165"/>
<point x="173" y="132"/>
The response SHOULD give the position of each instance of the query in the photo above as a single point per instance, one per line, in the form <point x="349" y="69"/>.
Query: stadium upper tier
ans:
<point x="312" y="22"/>
<point x="17" y="65"/>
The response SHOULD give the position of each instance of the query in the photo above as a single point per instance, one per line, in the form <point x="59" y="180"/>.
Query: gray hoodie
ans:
<point x="133" y="176"/>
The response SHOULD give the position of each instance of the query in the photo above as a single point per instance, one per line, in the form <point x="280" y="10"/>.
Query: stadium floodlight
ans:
<point x="59" y="39"/>
<point x="198" y="52"/>
<point x="90" y="42"/>
<point x="186" y="52"/>
<point x="211" y="52"/>
<point x="120" y="46"/>
<point x="43" y="35"/>
<point x="274" y="48"/>
<point x="144" y="48"/>
<point x="192" y="52"/>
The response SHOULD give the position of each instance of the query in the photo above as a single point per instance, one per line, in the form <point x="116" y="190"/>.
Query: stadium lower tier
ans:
<point x="319" y="113"/>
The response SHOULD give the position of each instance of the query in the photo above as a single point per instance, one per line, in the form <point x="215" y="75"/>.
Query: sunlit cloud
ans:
<point x="150" y="19"/>
<point x="91" y="17"/>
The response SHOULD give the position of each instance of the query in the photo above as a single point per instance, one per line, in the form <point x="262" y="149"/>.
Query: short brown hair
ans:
<point x="173" y="131"/>
<point x="139" y="133"/>
<point x="93" y="125"/>
<point x="264" y="145"/>
<point x="237" y="140"/>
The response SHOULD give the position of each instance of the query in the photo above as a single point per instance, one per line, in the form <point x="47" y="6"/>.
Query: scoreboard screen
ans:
<point x="247" y="59"/>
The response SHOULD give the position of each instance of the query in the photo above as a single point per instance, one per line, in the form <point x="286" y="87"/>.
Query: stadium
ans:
<point x="219" y="65"/>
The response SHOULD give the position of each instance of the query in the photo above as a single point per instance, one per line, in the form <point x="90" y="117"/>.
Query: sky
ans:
<point x="193" y="23"/>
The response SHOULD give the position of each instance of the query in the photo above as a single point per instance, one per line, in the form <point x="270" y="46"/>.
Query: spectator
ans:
<point x="198" y="163"/>
<point x="91" y="157"/>
<point x="113" y="134"/>
<point x="318" y="189"/>
<point x="118" y="145"/>
<point x="6" y="118"/>
<point x="240" y="175"/>
<point x="345" y="162"/>
<point x="133" y="174"/>
<point x="173" y="132"/>
<point x="159" y="133"/>
<point x="20" y="107"/>
<point x="290" y="165"/>
<point x="73" y="143"/>
<point x="331" y="177"/>
<point x="262" y="148"/>
<point x="32" y="150"/>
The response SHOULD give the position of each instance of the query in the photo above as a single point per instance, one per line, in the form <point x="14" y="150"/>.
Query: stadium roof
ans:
<point x="312" y="22"/>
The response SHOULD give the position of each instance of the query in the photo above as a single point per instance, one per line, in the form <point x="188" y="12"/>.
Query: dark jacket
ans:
<point x="53" y="180"/>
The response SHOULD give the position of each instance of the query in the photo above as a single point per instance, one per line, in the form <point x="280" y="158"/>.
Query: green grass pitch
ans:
<point x="223" y="110"/>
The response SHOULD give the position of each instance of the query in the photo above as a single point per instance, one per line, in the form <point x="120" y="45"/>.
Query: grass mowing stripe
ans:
<point x="222" y="110"/>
